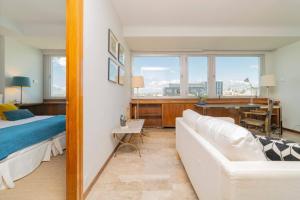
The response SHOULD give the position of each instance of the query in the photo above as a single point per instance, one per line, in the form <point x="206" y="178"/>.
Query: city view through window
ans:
<point x="239" y="75"/>
<point x="234" y="76"/>
<point x="58" y="76"/>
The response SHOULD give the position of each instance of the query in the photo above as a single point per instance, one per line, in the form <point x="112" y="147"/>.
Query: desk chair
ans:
<point x="260" y="119"/>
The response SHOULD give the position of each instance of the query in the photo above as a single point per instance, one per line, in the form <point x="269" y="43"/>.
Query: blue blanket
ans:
<point x="15" y="138"/>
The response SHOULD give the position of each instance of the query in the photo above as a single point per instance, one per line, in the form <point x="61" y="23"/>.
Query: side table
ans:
<point x="134" y="126"/>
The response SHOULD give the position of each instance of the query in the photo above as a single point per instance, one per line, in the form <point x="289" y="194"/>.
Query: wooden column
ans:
<point x="74" y="163"/>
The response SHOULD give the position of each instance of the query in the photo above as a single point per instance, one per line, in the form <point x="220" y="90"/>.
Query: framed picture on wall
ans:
<point x="112" y="44"/>
<point x="121" y="54"/>
<point x="121" y="75"/>
<point x="113" y="72"/>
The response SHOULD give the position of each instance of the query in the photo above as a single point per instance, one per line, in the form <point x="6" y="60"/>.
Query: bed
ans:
<point x="25" y="143"/>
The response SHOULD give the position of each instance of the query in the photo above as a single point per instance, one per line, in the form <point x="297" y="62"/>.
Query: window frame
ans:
<point x="160" y="55"/>
<point x="186" y="74"/>
<point x="48" y="76"/>
<point x="211" y="71"/>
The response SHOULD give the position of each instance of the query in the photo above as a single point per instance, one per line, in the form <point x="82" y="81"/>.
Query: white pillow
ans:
<point x="233" y="141"/>
<point x="190" y="117"/>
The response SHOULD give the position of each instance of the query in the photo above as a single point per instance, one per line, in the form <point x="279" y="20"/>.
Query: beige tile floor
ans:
<point x="159" y="174"/>
<point x="47" y="182"/>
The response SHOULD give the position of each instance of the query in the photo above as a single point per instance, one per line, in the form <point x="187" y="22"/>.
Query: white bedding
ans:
<point x="23" y="162"/>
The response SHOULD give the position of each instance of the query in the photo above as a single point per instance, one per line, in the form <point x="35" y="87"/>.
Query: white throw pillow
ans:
<point x="190" y="117"/>
<point x="233" y="141"/>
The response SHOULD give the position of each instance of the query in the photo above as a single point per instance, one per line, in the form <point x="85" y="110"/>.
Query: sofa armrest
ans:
<point x="262" y="180"/>
<point x="264" y="169"/>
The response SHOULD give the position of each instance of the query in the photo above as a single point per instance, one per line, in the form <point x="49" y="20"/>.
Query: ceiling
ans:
<point x="162" y="25"/>
<point x="36" y="22"/>
<point x="208" y="13"/>
<point x="209" y="24"/>
<point x="193" y="44"/>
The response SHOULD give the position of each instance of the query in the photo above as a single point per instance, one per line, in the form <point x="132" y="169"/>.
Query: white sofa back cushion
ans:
<point x="228" y="119"/>
<point x="190" y="117"/>
<point x="233" y="141"/>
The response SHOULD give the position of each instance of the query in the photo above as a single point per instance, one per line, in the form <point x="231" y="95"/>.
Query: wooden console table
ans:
<point x="163" y="112"/>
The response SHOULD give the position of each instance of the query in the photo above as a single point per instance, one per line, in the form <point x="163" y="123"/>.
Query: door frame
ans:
<point x="74" y="122"/>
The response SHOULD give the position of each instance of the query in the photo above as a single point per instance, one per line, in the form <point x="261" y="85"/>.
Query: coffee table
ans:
<point x="134" y="126"/>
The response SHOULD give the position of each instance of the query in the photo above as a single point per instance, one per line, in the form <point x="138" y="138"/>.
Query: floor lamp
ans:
<point x="267" y="81"/>
<point x="21" y="81"/>
<point x="137" y="82"/>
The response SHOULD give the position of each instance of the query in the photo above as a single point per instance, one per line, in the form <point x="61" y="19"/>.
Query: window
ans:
<point x="237" y="76"/>
<point x="197" y="76"/>
<point x="161" y="75"/>
<point x="58" y="76"/>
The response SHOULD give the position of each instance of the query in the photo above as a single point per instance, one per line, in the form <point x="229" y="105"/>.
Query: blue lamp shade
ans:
<point x="21" y="81"/>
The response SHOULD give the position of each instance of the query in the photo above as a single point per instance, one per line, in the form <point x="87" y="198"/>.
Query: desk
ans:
<point x="228" y="106"/>
<point x="234" y="111"/>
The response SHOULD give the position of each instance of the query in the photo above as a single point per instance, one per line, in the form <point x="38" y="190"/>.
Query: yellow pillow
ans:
<point x="5" y="108"/>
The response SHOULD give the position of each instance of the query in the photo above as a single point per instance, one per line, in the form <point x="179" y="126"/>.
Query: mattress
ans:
<point x="4" y="124"/>
<point x="17" y="137"/>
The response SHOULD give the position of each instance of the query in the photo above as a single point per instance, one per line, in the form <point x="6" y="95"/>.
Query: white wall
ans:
<point x="285" y="64"/>
<point x="104" y="101"/>
<point x="2" y="71"/>
<point x="23" y="60"/>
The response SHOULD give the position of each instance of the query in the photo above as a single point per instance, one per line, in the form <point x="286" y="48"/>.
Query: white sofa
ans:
<point x="220" y="166"/>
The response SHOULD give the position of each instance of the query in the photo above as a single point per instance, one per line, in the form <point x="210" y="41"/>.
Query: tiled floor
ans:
<point x="158" y="174"/>
<point x="291" y="136"/>
<point x="47" y="182"/>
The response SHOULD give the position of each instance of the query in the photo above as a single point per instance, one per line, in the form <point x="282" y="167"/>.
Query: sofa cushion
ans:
<point x="228" y="119"/>
<point x="233" y="141"/>
<point x="279" y="149"/>
<point x="190" y="117"/>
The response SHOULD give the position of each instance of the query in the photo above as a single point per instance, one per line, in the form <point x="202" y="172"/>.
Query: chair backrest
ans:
<point x="269" y="115"/>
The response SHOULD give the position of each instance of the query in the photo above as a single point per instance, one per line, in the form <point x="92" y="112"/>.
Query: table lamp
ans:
<point x="21" y="81"/>
<point x="267" y="81"/>
<point x="247" y="80"/>
<point x="137" y="82"/>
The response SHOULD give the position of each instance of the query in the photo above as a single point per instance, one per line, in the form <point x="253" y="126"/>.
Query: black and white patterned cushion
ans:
<point x="279" y="149"/>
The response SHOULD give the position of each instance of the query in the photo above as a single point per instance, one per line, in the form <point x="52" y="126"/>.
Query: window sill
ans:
<point x="181" y="97"/>
<point x="54" y="101"/>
